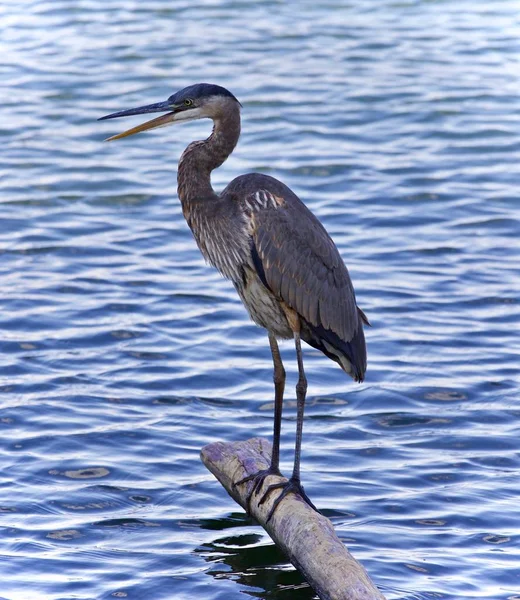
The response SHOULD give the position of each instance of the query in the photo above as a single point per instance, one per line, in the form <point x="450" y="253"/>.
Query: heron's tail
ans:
<point x="351" y="356"/>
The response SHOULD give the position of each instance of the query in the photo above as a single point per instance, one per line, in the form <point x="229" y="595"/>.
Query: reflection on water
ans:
<point x="122" y="353"/>
<point x="254" y="561"/>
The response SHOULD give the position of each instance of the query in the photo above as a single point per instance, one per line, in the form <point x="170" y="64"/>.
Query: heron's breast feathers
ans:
<point x="220" y="231"/>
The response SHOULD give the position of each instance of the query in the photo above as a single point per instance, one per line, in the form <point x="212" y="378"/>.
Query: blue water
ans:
<point x="122" y="353"/>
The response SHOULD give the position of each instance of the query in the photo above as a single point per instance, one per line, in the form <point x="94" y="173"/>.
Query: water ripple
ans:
<point x="397" y="123"/>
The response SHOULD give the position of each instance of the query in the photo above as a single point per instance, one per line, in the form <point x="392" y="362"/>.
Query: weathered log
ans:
<point x="306" y="537"/>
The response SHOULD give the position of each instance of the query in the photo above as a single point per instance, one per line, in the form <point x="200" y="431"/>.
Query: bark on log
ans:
<point x="307" y="537"/>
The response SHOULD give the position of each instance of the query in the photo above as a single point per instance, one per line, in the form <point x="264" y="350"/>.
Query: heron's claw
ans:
<point x="293" y="485"/>
<point x="258" y="481"/>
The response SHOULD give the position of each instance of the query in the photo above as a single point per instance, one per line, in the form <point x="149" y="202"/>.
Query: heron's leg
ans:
<point x="279" y="386"/>
<point x="301" y="392"/>
<point x="294" y="485"/>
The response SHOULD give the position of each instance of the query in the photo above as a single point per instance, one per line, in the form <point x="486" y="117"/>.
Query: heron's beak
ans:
<point x="177" y="113"/>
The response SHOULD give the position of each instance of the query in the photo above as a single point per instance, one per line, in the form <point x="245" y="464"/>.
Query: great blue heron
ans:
<point x="282" y="262"/>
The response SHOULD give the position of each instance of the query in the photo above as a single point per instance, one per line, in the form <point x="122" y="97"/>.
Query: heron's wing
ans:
<point x="300" y="264"/>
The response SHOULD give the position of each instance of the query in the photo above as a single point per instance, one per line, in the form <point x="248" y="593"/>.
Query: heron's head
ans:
<point x="199" y="101"/>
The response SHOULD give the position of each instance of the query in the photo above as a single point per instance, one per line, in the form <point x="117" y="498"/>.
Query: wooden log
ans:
<point x="307" y="538"/>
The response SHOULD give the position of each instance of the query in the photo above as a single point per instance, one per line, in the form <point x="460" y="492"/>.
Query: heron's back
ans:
<point x="298" y="263"/>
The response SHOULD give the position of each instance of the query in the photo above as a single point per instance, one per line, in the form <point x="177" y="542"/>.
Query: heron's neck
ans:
<point x="200" y="158"/>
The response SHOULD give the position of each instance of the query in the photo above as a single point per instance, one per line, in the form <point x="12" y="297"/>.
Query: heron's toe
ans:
<point x="258" y="481"/>
<point x="292" y="485"/>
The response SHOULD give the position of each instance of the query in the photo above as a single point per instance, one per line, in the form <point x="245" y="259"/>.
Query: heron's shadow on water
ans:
<point x="248" y="560"/>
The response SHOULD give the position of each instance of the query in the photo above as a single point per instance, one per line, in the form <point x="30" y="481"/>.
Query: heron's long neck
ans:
<point x="200" y="158"/>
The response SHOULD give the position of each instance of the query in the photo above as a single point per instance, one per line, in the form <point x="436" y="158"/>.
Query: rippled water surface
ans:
<point x="122" y="353"/>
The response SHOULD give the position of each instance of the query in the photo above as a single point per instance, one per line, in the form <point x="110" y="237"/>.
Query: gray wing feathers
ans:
<point x="304" y="268"/>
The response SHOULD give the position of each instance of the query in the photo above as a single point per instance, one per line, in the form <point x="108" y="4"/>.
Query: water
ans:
<point x="122" y="354"/>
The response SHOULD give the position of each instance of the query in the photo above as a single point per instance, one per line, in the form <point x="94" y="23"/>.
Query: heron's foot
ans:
<point x="292" y="485"/>
<point x="258" y="481"/>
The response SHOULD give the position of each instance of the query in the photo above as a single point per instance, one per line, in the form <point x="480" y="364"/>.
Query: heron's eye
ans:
<point x="188" y="102"/>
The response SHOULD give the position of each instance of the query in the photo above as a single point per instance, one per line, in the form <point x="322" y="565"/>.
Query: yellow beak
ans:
<point x="175" y="113"/>
<point x="161" y="121"/>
